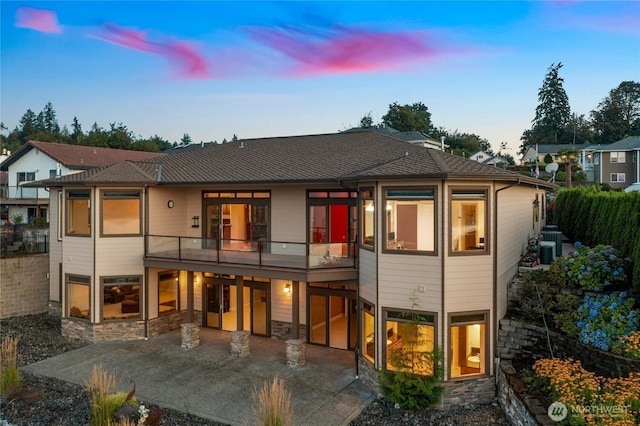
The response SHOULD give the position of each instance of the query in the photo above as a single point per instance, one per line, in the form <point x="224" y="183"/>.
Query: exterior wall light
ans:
<point x="287" y="288"/>
<point x="196" y="222"/>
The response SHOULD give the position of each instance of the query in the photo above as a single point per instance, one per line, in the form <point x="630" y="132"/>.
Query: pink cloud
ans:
<point x="344" y="50"/>
<point x="45" y="21"/>
<point x="181" y="55"/>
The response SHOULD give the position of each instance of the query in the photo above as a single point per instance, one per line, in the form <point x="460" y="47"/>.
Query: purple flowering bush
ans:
<point x="604" y="320"/>
<point x="590" y="268"/>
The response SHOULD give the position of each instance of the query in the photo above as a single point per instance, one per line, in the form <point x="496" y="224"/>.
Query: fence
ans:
<point x="23" y="239"/>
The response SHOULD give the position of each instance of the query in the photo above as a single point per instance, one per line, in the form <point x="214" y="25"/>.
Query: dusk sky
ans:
<point x="213" y="69"/>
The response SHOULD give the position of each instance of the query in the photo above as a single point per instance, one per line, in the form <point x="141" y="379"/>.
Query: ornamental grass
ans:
<point x="274" y="404"/>
<point x="10" y="379"/>
<point x="595" y="400"/>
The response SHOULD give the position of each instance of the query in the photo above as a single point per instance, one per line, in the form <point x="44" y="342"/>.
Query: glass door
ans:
<point x="318" y="319"/>
<point x="212" y="226"/>
<point x="259" y="317"/>
<point x="212" y="297"/>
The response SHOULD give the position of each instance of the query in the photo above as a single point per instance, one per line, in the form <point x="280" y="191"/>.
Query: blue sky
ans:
<point x="213" y="69"/>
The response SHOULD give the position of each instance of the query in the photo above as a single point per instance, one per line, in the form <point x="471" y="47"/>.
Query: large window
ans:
<point x="23" y="177"/>
<point x="78" y="296"/>
<point x="410" y="337"/>
<point x="617" y="157"/>
<point x="368" y="332"/>
<point x="468" y="343"/>
<point x="332" y="222"/>
<point x="367" y="214"/>
<point x="410" y="219"/>
<point x="121" y="298"/>
<point x="168" y="291"/>
<point x="617" y="177"/>
<point x="78" y="213"/>
<point x="121" y="213"/>
<point x="468" y="221"/>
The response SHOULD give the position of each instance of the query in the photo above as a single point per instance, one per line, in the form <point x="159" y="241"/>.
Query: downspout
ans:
<point x="495" y="273"/>
<point x="94" y="236"/>
<point x="442" y="266"/>
<point x="146" y="270"/>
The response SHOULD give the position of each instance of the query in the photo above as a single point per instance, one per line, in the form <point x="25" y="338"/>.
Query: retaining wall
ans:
<point x="24" y="285"/>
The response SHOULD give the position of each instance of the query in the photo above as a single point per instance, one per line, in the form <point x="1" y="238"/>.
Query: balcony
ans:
<point x="261" y="254"/>
<point x="21" y="192"/>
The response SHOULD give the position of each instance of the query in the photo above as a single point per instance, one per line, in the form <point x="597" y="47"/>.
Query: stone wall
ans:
<point x="518" y="413"/>
<point x="24" y="285"/>
<point x="105" y="332"/>
<point x="520" y="340"/>
<point x="283" y="330"/>
<point x="55" y="309"/>
<point x="368" y="374"/>
<point x="460" y="393"/>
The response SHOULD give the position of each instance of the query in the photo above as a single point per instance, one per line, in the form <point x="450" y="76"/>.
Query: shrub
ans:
<point x="105" y="403"/>
<point x="274" y="404"/>
<point x="590" y="268"/>
<point x="629" y="345"/>
<point x="569" y="383"/>
<point x="10" y="379"/>
<point x="605" y="319"/>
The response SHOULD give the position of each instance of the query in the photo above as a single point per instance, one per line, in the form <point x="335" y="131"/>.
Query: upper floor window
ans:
<point x="617" y="177"/>
<point x="367" y="214"/>
<point x="617" y="157"/>
<point x="468" y="220"/>
<point x="121" y="213"/>
<point x="23" y="177"/>
<point x="596" y="158"/>
<point x="410" y="219"/>
<point x="79" y="212"/>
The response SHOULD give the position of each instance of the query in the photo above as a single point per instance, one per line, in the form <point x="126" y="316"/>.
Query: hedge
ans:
<point x="594" y="217"/>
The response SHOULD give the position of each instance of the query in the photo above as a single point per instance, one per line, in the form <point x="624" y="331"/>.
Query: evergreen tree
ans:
<point x="186" y="139"/>
<point x="553" y="112"/>
<point x="49" y="121"/>
<point x="406" y="118"/>
<point x="27" y="126"/>
<point x="618" y="115"/>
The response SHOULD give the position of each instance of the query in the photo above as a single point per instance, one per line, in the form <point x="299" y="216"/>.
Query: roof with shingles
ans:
<point x="80" y="157"/>
<point x="626" y="144"/>
<point x="295" y="159"/>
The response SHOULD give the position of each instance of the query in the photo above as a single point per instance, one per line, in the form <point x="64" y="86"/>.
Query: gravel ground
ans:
<point x="46" y="401"/>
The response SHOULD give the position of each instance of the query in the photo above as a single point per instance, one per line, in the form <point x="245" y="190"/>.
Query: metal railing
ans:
<point x="20" y="239"/>
<point x="305" y="256"/>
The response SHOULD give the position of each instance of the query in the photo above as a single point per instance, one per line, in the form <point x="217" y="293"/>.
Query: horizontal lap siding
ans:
<point x="401" y="277"/>
<point x="367" y="282"/>
<point x="288" y="214"/>
<point x="120" y="256"/>
<point x="468" y="283"/>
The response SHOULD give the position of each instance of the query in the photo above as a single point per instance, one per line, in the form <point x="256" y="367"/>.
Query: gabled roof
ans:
<point x="296" y="159"/>
<point x="555" y="148"/>
<point x="79" y="157"/>
<point x="627" y="144"/>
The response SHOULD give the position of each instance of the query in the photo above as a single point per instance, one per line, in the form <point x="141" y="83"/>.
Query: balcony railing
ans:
<point x="22" y="192"/>
<point x="259" y="253"/>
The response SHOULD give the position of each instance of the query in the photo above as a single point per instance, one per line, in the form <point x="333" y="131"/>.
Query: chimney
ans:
<point x="442" y="143"/>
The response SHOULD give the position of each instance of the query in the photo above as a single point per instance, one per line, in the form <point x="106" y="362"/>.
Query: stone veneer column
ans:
<point x="190" y="335"/>
<point x="239" y="344"/>
<point x="295" y="353"/>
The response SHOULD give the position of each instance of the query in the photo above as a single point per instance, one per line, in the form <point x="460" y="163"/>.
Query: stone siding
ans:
<point x="368" y="374"/>
<point x="518" y="412"/>
<point x="460" y="393"/>
<point x="166" y="323"/>
<point x="24" y="285"/>
<point x="283" y="330"/>
<point x="105" y="332"/>
<point x="521" y="340"/>
<point x="55" y="309"/>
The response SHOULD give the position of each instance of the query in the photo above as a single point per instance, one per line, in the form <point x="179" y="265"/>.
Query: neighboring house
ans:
<point x="42" y="160"/>
<point x="617" y="164"/>
<point x="413" y="136"/>
<point x="326" y="238"/>
<point x="486" y="158"/>
<point x="538" y="153"/>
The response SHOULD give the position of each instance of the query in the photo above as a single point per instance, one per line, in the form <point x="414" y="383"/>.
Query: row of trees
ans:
<point x="616" y="117"/>
<point x="44" y="127"/>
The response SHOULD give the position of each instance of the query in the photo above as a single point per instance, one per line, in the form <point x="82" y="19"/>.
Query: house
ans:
<point x="486" y="158"/>
<point x="539" y="153"/>
<point x="616" y="164"/>
<point x="41" y="160"/>
<point x="413" y="136"/>
<point x="327" y="238"/>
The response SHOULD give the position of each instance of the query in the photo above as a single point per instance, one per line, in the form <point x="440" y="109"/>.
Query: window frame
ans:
<point x="175" y="276"/>
<point x="60" y="215"/>
<point x="385" y="223"/>
<point x="370" y="310"/>
<point x="24" y="177"/>
<point x="484" y="352"/>
<point x="116" y="282"/>
<point x="617" y="176"/>
<point x="367" y="205"/>
<point x="617" y="157"/>
<point x="122" y="194"/>
<point x="76" y="280"/>
<point x="68" y="198"/>
<point x="431" y="320"/>
<point x="470" y="191"/>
